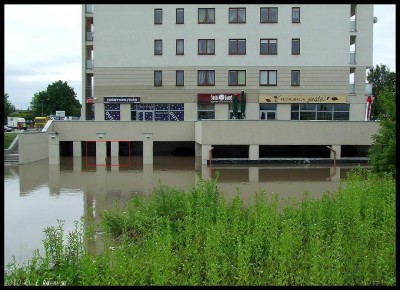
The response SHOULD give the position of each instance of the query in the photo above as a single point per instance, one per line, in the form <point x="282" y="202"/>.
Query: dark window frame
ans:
<point x="206" y="78"/>
<point x="182" y="10"/>
<point x="292" y="78"/>
<point x="207" y="17"/>
<point x="237" y="46"/>
<point x="155" y="47"/>
<point x="294" y="19"/>
<point x="236" y="78"/>
<point x="268" y="14"/>
<point x="158" y="21"/>
<point x="268" y="84"/>
<point x="293" y="46"/>
<point x="206" y="53"/>
<point x="155" y="78"/>
<point x="176" y="47"/>
<point x="183" y="78"/>
<point x="237" y="15"/>
<point x="268" y="46"/>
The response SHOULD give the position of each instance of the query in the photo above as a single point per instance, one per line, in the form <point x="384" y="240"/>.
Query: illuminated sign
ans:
<point x="218" y="98"/>
<point x="302" y="99"/>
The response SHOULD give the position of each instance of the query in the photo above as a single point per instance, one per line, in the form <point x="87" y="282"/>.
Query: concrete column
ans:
<point x="77" y="164"/>
<point x="197" y="149"/>
<point x="101" y="149"/>
<point x="114" y="162"/>
<point x="99" y="111"/>
<point x="337" y="148"/>
<point x="54" y="179"/>
<point x="254" y="152"/>
<point x="77" y="148"/>
<point x="114" y="148"/>
<point x="205" y="154"/>
<point x="148" y="148"/>
<point x="253" y="174"/>
<point x="54" y="148"/>
<point x="222" y="111"/>
<point x="125" y="112"/>
<point x="334" y="172"/>
<point x="148" y="178"/>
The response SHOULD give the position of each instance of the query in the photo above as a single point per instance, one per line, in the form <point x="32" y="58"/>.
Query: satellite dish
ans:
<point x="375" y="19"/>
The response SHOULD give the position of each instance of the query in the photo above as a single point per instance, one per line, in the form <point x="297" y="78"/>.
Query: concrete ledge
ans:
<point x="288" y="160"/>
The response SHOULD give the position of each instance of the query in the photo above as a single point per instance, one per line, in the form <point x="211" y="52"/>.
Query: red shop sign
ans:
<point x="217" y="98"/>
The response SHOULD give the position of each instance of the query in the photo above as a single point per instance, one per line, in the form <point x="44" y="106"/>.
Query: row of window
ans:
<point x="236" y="15"/>
<point x="236" y="46"/>
<point x="175" y="112"/>
<point x="235" y="78"/>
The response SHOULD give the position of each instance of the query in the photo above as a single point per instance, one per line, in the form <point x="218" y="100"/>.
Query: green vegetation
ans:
<point x="198" y="238"/>
<point x="8" y="139"/>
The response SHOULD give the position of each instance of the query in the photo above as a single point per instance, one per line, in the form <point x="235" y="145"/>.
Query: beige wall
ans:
<point x="32" y="147"/>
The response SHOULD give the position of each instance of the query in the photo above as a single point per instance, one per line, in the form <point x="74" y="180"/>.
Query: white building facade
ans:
<point x="267" y="78"/>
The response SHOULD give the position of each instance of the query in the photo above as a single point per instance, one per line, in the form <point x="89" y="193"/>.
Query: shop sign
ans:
<point x="122" y="99"/>
<point x="217" y="98"/>
<point x="303" y="99"/>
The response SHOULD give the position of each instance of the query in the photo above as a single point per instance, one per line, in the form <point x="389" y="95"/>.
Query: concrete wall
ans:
<point x="32" y="146"/>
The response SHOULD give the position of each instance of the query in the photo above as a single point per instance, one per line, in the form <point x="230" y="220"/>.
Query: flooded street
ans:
<point x="38" y="194"/>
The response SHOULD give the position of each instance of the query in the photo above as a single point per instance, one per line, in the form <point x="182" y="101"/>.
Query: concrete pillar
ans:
<point x="54" y="148"/>
<point x="334" y="173"/>
<point x="54" y="179"/>
<point x="77" y="164"/>
<point x="148" y="184"/>
<point x="114" y="148"/>
<point x="337" y="148"/>
<point x="148" y="148"/>
<point x="254" y="152"/>
<point x="253" y="174"/>
<point x="114" y="162"/>
<point x="77" y="148"/>
<point x="197" y="149"/>
<point x="206" y="154"/>
<point x="101" y="149"/>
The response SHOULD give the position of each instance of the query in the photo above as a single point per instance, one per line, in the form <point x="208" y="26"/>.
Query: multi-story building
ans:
<point x="254" y="82"/>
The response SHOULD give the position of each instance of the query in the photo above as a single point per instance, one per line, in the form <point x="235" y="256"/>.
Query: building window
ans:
<point x="157" y="78"/>
<point x="206" y="15"/>
<point x="157" y="112"/>
<point x="206" y="46"/>
<point x="269" y="15"/>
<point x="327" y="112"/>
<point x="180" y="16"/>
<point x="180" y="78"/>
<point x="295" y="45"/>
<point x="267" y="111"/>
<point x="237" y="15"/>
<point x="268" y="46"/>
<point x="112" y="112"/>
<point x="180" y="45"/>
<point x="205" y="78"/>
<point x="237" y="46"/>
<point x="205" y="111"/>
<point x="268" y="78"/>
<point x="158" y="47"/>
<point x="237" y="78"/>
<point x="157" y="16"/>
<point x="295" y="78"/>
<point x="295" y="14"/>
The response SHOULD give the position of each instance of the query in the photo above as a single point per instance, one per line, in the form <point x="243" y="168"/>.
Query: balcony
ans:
<point x="89" y="36"/>
<point x="352" y="89"/>
<point x="353" y="26"/>
<point x="89" y="63"/>
<point x="352" y="57"/>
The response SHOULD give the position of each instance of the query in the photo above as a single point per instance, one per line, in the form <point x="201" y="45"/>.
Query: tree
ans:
<point x="380" y="77"/>
<point x="382" y="153"/>
<point x="58" y="96"/>
<point x="8" y="107"/>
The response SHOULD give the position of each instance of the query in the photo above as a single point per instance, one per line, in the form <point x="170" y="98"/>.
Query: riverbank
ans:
<point x="198" y="238"/>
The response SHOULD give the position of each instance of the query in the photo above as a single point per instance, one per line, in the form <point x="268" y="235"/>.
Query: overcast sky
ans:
<point x="42" y="44"/>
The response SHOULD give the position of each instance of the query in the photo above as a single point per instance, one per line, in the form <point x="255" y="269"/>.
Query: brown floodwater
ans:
<point x="37" y="194"/>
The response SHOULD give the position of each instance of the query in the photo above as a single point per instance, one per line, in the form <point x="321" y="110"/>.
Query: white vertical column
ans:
<point x="101" y="149"/>
<point x="147" y="148"/>
<point x="77" y="148"/>
<point x="54" y="148"/>
<point x="253" y="152"/>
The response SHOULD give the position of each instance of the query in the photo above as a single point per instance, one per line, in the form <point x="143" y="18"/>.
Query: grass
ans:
<point x="197" y="238"/>
<point x="9" y="138"/>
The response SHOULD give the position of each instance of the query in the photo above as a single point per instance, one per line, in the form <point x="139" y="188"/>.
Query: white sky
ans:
<point x="36" y="54"/>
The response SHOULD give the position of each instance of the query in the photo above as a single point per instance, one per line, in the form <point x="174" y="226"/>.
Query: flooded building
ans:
<point x="227" y="82"/>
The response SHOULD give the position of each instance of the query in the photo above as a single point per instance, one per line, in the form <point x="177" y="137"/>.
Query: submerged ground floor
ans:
<point x="217" y="141"/>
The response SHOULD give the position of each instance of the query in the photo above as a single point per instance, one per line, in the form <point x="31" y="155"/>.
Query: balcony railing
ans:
<point x="89" y="35"/>
<point x="89" y="63"/>
<point x="352" y="89"/>
<point x="89" y="8"/>
<point x="352" y="57"/>
<point x="353" y="27"/>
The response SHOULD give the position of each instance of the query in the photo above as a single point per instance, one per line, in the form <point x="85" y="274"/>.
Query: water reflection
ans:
<point x="37" y="194"/>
